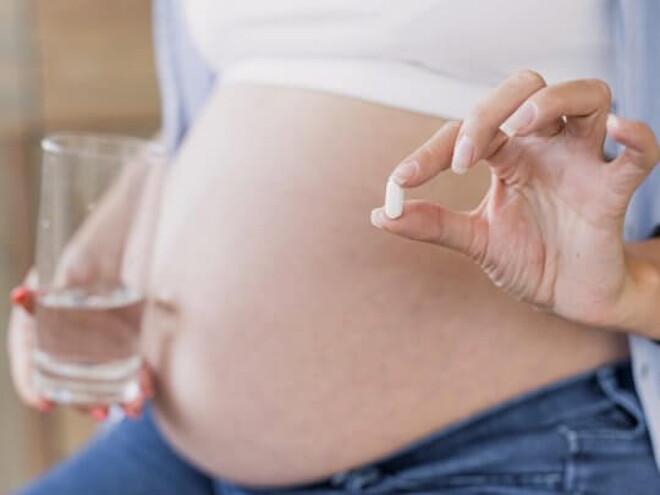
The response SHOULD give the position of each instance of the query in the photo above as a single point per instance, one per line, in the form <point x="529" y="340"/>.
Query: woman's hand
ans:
<point x="549" y="230"/>
<point x="112" y="247"/>
<point x="21" y="343"/>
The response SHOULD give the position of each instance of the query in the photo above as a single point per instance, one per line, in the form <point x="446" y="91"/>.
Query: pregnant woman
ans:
<point x="295" y="348"/>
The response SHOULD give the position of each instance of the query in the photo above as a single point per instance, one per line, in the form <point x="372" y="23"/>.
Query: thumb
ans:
<point x="429" y="222"/>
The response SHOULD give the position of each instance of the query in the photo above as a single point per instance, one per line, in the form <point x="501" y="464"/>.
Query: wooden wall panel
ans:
<point x="96" y="63"/>
<point x="19" y="429"/>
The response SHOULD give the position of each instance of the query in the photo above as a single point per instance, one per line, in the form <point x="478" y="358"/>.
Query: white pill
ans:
<point x="394" y="197"/>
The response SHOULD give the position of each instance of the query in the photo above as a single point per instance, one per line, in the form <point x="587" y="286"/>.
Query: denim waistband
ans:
<point x="539" y="419"/>
<point x="543" y="407"/>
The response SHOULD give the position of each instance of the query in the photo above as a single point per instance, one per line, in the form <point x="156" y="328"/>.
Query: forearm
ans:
<point x="641" y="310"/>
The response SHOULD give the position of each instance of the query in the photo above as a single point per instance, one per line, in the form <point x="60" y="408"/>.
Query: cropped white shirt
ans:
<point x="430" y="56"/>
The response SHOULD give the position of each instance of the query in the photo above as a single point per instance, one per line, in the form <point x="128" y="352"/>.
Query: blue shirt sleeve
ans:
<point x="185" y="78"/>
<point x="643" y="215"/>
<point x="637" y="42"/>
<point x="638" y="88"/>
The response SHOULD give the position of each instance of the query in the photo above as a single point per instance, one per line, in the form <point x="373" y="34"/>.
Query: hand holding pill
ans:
<point x="553" y="214"/>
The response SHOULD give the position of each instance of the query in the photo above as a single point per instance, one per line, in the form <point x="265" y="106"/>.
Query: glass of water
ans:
<point x="97" y="214"/>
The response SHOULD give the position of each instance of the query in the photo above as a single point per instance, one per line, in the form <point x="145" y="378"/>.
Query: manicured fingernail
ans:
<point x="520" y="119"/>
<point x="45" y="406"/>
<point x="377" y="217"/>
<point x="613" y="122"/>
<point x="21" y="296"/>
<point x="132" y="412"/>
<point x="463" y="155"/>
<point x="98" y="413"/>
<point x="404" y="172"/>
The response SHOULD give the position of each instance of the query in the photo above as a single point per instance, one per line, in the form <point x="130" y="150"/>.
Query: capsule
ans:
<point x="394" y="197"/>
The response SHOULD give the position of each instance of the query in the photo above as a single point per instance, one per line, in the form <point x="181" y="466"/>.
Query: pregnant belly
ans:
<point x="290" y="338"/>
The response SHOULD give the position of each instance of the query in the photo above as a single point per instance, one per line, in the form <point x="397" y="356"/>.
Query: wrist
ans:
<point x="639" y="308"/>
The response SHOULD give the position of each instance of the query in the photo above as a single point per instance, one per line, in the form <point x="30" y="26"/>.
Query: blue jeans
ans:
<point x="584" y="435"/>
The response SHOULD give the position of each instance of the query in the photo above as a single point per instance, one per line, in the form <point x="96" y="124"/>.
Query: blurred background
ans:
<point x="64" y="65"/>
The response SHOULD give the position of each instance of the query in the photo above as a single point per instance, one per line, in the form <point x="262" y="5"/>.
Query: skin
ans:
<point x="549" y="229"/>
<point x="111" y="244"/>
<point x="288" y="328"/>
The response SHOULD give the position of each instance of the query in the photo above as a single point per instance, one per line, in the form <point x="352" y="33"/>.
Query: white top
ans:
<point x="431" y="56"/>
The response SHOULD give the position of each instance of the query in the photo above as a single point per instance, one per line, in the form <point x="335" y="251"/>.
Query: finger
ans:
<point x="99" y="413"/>
<point x="146" y="383"/>
<point x="639" y="157"/>
<point x="430" y="222"/>
<point x="585" y="104"/>
<point x="20" y="344"/>
<point x="23" y="297"/>
<point x="483" y="123"/>
<point x="21" y="336"/>
<point x="429" y="159"/>
<point x="134" y="408"/>
<point x="45" y="405"/>
<point x="642" y="149"/>
<point x="434" y="156"/>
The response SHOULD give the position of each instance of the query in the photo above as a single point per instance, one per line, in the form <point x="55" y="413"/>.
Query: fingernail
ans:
<point x="98" y="413"/>
<point x="132" y="412"/>
<point x="613" y="122"/>
<point x="404" y="172"/>
<point x="463" y="155"/>
<point x="21" y="296"/>
<point x="45" y="406"/>
<point x="377" y="217"/>
<point x="520" y="119"/>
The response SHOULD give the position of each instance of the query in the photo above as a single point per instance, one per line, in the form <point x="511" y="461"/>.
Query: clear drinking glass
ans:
<point x="97" y="215"/>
